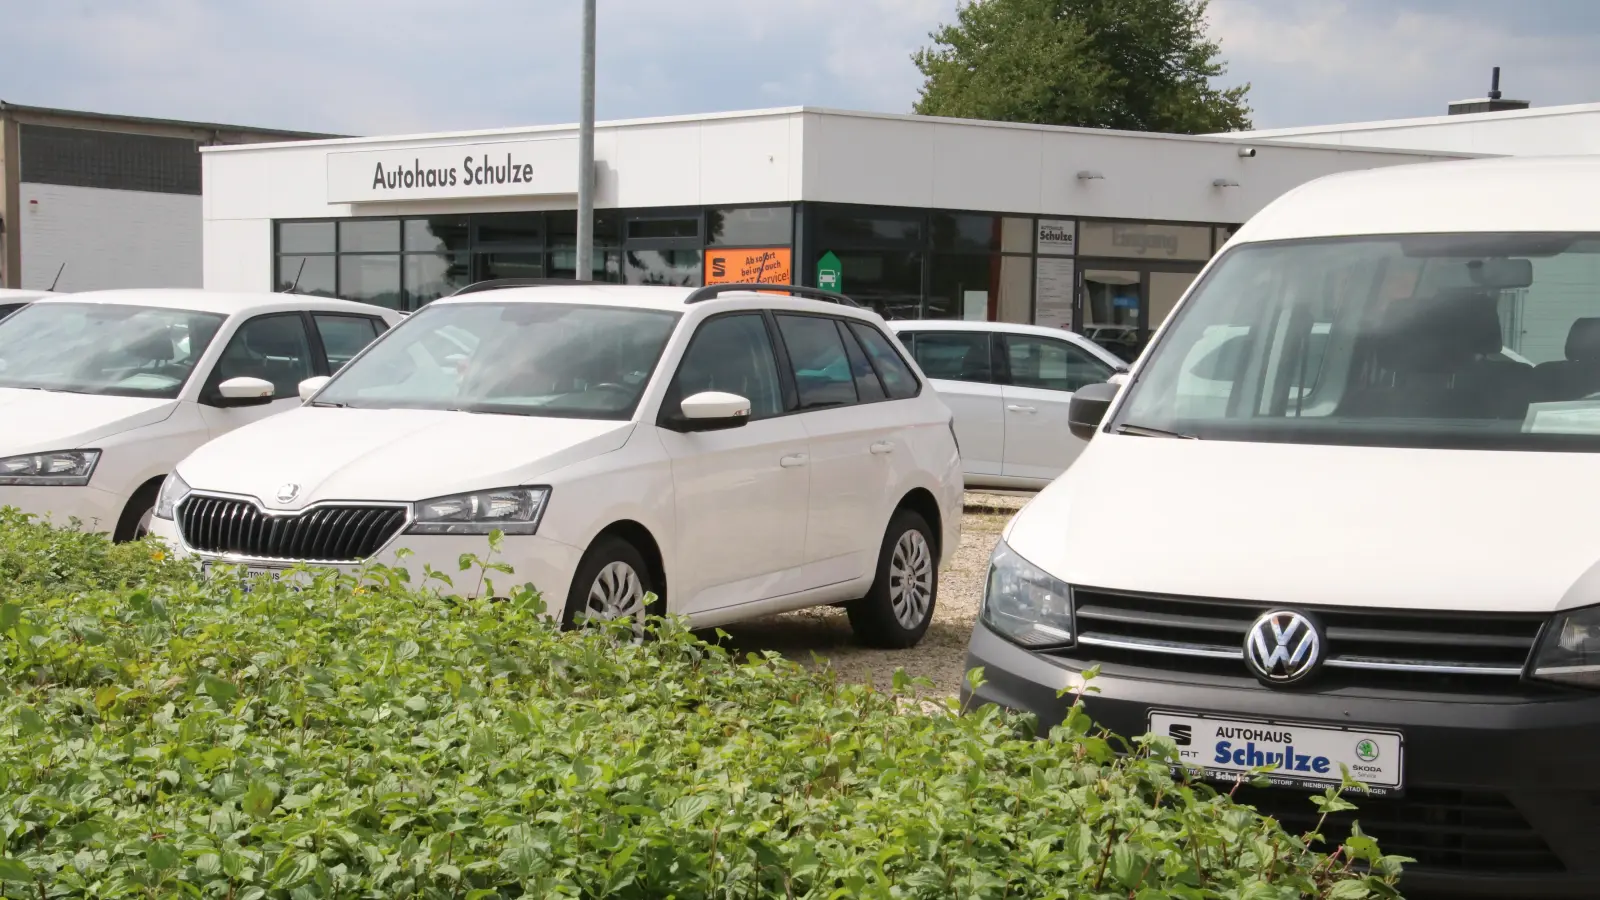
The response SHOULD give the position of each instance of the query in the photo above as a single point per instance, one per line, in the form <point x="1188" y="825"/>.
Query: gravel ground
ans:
<point x="940" y="657"/>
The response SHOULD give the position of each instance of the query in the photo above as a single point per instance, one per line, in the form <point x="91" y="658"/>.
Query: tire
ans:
<point x="896" y="613"/>
<point x="610" y="566"/>
<point x="135" y="520"/>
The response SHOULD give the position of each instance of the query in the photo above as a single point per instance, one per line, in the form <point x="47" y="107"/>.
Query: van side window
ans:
<point x="822" y="373"/>
<point x="344" y="336"/>
<point x="891" y="366"/>
<point x="868" y="387"/>
<point x="954" y="355"/>
<point x="1051" y="365"/>
<point x="732" y="354"/>
<point x="274" y="348"/>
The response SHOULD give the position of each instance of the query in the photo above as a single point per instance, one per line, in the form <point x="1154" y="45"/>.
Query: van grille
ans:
<point x="333" y="534"/>
<point x="1440" y="650"/>
<point x="1441" y="828"/>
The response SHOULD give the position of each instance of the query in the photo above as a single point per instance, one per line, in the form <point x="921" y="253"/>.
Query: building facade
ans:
<point x="91" y="201"/>
<point x="919" y="217"/>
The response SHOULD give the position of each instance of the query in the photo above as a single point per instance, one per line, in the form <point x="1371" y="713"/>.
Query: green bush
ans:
<point x="161" y="736"/>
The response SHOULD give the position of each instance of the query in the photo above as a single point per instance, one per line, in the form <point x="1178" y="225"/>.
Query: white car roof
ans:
<point x="670" y="299"/>
<point x="14" y="294"/>
<point x="1522" y="194"/>
<point x="223" y="302"/>
<point x="1062" y="334"/>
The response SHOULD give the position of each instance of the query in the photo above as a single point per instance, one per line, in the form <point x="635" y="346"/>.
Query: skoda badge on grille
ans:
<point x="1283" y="647"/>
<point x="288" y="492"/>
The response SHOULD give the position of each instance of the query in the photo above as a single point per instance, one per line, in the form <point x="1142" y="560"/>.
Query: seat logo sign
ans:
<point x="1283" y="647"/>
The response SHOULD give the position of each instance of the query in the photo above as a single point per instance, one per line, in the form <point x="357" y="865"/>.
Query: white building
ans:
<point x="918" y="216"/>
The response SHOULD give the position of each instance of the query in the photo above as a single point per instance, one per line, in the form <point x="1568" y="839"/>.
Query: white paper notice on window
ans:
<point x="975" y="305"/>
<point x="1052" y="295"/>
<point x="1564" y="417"/>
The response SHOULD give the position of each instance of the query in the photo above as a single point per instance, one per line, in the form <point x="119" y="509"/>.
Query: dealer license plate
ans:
<point x="1305" y="756"/>
<point x="251" y="575"/>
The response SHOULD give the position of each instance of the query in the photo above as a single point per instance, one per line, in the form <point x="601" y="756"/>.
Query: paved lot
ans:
<point x="941" y="655"/>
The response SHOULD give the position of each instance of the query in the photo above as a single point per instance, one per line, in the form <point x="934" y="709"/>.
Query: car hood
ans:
<point x="1316" y="525"/>
<point x="32" y="421"/>
<point x="393" y="454"/>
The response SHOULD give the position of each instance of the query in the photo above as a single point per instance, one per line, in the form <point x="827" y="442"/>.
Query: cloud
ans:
<point x="387" y="66"/>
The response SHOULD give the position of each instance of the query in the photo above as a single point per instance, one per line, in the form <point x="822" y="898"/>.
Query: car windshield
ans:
<point x="1450" y="341"/>
<point x="103" y="348"/>
<point x="535" y="359"/>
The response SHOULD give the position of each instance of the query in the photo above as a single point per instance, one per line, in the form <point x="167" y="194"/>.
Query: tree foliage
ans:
<point x="1135" y="65"/>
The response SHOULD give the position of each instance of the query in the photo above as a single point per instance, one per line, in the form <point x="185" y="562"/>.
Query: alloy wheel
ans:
<point x="911" y="579"/>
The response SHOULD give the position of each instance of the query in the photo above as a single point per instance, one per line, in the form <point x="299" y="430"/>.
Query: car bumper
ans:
<point x="95" y="509"/>
<point x="546" y="564"/>
<point x="1501" y="799"/>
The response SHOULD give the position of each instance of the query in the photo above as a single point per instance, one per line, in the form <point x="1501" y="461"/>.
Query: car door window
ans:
<point x="1052" y="365"/>
<point x="733" y="354"/>
<point x="954" y="355"/>
<point x="274" y="348"/>
<point x="868" y="388"/>
<point x="822" y="373"/>
<point x="892" y="369"/>
<point x="344" y="336"/>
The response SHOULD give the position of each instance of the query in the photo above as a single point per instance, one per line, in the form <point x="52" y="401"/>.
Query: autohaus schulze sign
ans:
<point x="492" y="169"/>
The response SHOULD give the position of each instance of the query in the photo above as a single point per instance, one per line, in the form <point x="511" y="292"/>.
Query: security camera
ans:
<point x="1247" y="152"/>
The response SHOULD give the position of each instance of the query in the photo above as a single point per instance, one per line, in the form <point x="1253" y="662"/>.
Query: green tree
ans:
<point x="1136" y="65"/>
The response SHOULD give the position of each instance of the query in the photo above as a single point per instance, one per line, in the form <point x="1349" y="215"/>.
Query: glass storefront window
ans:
<point x="562" y="225"/>
<point x="889" y="281"/>
<point x="764" y="226"/>
<point x="369" y="236"/>
<point x="429" y="276"/>
<point x="671" y="267"/>
<point x="1016" y="235"/>
<point x="1016" y="288"/>
<point x="961" y="286"/>
<point x="306" y="237"/>
<point x="843" y="228"/>
<point x="648" y="229"/>
<point x="514" y="229"/>
<point x="435" y="234"/>
<point x="964" y="231"/>
<point x="1144" y="240"/>
<point x="1166" y="289"/>
<point x="510" y="265"/>
<point x="307" y="275"/>
<point x="371" y="278"/>
<point x="605" y="266"/>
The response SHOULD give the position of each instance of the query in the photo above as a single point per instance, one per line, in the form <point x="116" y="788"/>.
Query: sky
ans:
<point x="398" y="66"/>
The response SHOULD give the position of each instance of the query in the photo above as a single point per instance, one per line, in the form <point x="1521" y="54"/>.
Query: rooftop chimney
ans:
<point x="1494" y="102"/>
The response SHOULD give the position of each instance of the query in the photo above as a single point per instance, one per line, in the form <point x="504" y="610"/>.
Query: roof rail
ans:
<point x="496" y="284"/>
<point x="797" y="290"/>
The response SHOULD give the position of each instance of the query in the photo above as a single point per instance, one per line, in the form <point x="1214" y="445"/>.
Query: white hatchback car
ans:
<point x="102" y="392"/>
<point x="1009" y="387"/>
<point x="733" y="453"/>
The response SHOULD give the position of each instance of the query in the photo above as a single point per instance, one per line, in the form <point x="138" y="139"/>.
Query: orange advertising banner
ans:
<point x="768" y="265"/>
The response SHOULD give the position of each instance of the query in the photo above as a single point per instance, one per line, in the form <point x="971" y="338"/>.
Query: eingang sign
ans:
<point x="498" y="169"/>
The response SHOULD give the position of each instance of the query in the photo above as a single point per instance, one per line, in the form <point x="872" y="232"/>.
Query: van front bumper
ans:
<point x="1500" y="799"/>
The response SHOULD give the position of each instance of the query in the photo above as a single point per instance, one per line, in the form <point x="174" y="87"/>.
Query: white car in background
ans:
<point x="1009" y="387"/>
<point x="734" y="453"/>
<point x="102" y="392"/>
<point x="12" y="299"/>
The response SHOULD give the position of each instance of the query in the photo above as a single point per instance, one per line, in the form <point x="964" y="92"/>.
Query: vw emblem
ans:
<point x="1283" y="647"/>
<point x="288" y="492"/>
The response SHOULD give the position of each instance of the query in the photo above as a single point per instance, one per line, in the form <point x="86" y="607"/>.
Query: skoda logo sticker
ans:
<point x="1283" y="647"/>
<point x="288" y="492"/>
<point x="1367" y="750"/>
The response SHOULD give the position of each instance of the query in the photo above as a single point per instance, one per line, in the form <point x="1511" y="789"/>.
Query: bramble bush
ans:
<point x="162" y="735"/>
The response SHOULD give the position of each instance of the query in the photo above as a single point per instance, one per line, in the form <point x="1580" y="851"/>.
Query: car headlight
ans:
<point x="57" y="467"/>
<point x="173" y="490"/>
<point x="1025" y="603"/>
<point x="1569" y="652"/>
<point x="509" y="510"/>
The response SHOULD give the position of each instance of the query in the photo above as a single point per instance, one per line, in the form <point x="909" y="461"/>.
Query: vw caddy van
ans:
<point x="1370" y="533"/>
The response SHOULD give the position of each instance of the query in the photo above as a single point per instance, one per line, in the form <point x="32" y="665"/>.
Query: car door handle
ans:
<point x="793" y="460"/>
<point x="1022" y="409"/>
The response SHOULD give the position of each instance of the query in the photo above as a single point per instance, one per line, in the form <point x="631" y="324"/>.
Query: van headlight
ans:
<point x="173" y="490"/>
<point x="1025" y="603"/>
<point x="57" y="468"/>
<point x="508" y="510"/>
<point x="1569" y="652"/>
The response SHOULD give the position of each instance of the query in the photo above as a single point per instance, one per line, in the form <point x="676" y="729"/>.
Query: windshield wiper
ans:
<point x="329" y="404"/>
<point x="1146" y="431"/>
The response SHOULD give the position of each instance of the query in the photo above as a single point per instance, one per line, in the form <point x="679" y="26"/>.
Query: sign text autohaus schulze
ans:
<point x="495" y="169"/>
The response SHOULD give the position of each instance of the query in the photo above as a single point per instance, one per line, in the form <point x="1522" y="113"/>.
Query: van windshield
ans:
<point x="536" y="359"/>
<point x="1486" y="341"/>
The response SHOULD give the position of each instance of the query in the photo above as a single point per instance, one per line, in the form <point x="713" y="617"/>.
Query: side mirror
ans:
<point x="713" y="411"/>
<point x="244" y="391"/>
<point x="311" y="385"/>
<point x="1088" y="409"/>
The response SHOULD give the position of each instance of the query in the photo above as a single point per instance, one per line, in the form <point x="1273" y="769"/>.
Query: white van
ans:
<point x="1371" y="529"/>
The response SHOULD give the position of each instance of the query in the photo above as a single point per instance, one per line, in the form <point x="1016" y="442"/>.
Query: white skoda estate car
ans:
<point x="102" y="392"/>
<point x="733" y="453"/>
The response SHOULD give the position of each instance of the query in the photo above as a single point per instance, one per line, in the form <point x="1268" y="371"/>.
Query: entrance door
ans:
<point x="1112" y="301"/>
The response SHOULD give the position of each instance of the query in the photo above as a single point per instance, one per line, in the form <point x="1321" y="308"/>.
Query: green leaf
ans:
<point x="15" y="870"/>
<point x="10" y="614"/>
<point x="223" y="692"/>
<point x="30" y="721"/>
<point x="258" y="800"/>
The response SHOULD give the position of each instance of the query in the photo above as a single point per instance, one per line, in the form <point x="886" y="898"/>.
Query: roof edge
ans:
<point x="7" y="107"/>
<point x="1571" y="109"/>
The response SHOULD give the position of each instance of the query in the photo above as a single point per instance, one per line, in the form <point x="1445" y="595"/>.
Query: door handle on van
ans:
<point x="1022" y="409"/>
<point x="793" y="460"/>
<point x="883" y="447"/>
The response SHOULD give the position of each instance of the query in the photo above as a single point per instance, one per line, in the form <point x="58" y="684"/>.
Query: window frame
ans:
<point x="379" y="326"/>
<point x="669" y="414"/>
<point x="1002" y="345"/>
<point x="211" y="391"/>
<point x="789" y="361"/>
<point x="997" y="361"/>
<point x="892" y="340"/>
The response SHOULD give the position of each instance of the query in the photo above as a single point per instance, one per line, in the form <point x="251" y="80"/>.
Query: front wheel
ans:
<point x="896" y="612"/>
<point x="613" y="583"/>
<point x="135" y="520"/>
